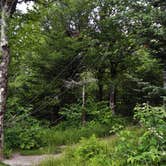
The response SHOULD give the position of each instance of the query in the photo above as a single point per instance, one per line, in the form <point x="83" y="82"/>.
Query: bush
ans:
<point x="102" y="125"/>
<point x="127" y="148"/>
<point x="25" y="134"/>
<point x="95" y="111"/>
<point x="90" y="152"/>
<point x="153" y="119"/>
<point x="152" y="147"/>
<point x="147" y="148"/>
<point x="89" y="148"/>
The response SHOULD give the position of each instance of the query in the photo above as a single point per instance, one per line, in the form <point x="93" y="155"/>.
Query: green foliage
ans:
<point x="118" y="43"/>
<point x="28" y="134"/>
<point x="132" y="146"/>
<point x="149" y="148"/>
<point x="153" y="141"/>
<point x="93" y="152"/>
<point x="95" y="111"/>
<point x="89" y="152"/>
<point x="153" y="118"/>
<point x="109" y="48"/>
<point x="115" y="128"/>
<point x="72" y="113"/>
<point x="7" y="152"/>
<point x="24" y="135"/>
<point x="89" y="148"/>
<point x="150" y="116"/>
<point x="56" y="136"/>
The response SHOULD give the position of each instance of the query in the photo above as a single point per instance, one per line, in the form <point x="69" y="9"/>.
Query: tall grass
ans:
<point x="106" y="157"/>
<point x="59" y="162"/>
<point x="56" y="137"/>
<point x="61" y="134"/>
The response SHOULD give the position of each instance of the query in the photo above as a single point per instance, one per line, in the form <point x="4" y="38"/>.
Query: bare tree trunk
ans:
<point x="100" y="83"/>
<point x="112" y="99"/>
<point x="83" y="105"/>
<point x="3" y="75"/>
<point x="164" y="84"/>
<point x="113" y="71"/>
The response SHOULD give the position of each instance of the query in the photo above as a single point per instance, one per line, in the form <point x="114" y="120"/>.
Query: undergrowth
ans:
<point x="140" y="146"/>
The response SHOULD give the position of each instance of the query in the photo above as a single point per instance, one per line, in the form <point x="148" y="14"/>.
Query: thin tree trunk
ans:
<point x="100" y="83"/>
<point x="112" y="99"/>
<point x="164" y="84"/>
<point x="3" y="75"/>
<point x="113" y="71"/>
<point x="83" y="105"/>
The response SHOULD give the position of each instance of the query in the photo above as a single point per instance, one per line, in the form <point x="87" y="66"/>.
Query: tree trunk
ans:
<point x="100" y="83"/>
<point x="113" y="71"/>
<point x="164" y="84"/>
<point x="83" y="105"/>
<point x="3" y="75"/>
<point x="112" y="99"/>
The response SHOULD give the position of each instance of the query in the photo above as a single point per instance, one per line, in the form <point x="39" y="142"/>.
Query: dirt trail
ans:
<point x="20" y="160"/>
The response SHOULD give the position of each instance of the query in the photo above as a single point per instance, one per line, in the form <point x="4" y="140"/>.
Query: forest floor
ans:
<point x="18" y="159"/>
<point x="33" y="159"/>
<point x="25" y="159"/>
<point x="30" y="160"/>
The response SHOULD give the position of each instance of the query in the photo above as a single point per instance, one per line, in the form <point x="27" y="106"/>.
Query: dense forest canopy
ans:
<point x="78" y="61"/>
<point x="115" y="41"/>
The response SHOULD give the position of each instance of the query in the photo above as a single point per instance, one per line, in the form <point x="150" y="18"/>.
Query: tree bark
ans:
<point x="100" y="83"/>
<point x="83" y="105"/>
<point x="164" y="84"/>
<point x="5" y="56"/>
<point x="112" y="99"/>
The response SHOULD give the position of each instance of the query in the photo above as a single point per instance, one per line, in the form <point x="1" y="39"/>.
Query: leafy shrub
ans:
<point x="95" y="111"/>
<point x="93" y="152"/>
<point x="115" y="128"/>
<point x="148" y="149"/>
<point x="7" y="152"/>
<point x="126" y="146"/>
<point x="98" y="115"/>
<point x="25" y="134"/>
<point x="153" y="119"/>
<point x="90" y="152"/>
<point x="72" y="113"/>
<point x="149" y="116"/>
<point x="152" y="143"/>
<point x="89" y="148"/>
<point x="103" y="124"/>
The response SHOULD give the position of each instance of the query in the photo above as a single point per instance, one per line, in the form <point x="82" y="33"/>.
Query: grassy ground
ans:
<point x="110" y="142"/>
<point x="57" y="138"/>
<point x="67" y="158"/>
<point x="42" y="150"/>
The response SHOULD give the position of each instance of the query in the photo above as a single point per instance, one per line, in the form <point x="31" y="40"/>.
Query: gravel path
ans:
<point x="20" y="160"/>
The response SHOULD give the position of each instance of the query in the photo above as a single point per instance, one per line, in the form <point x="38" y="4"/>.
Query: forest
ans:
<point x="83" y="83"/>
